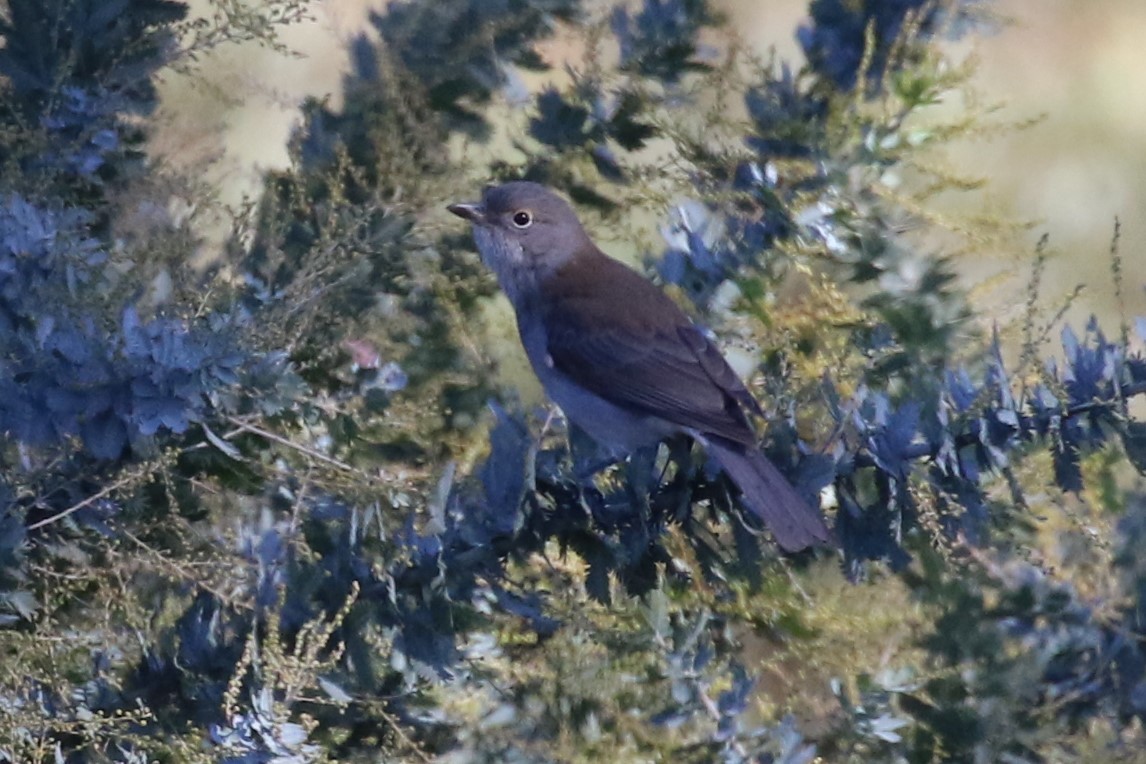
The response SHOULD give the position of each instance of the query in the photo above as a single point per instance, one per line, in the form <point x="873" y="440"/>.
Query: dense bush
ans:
<point x="282" y="508"/>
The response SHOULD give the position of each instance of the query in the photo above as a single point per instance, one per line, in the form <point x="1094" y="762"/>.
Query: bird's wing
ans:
<point x="621" y="338"/>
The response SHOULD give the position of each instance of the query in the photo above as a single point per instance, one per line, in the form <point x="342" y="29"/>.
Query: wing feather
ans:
<point x="631" y="345"/>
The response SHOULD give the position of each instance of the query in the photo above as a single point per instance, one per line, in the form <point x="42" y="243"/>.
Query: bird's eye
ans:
<point x="522" y="219"/>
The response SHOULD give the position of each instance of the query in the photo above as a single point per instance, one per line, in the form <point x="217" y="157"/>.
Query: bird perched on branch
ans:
<point x="623" y="362"/>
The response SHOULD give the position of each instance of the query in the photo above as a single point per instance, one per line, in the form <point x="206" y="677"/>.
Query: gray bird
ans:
<point x="623" y="362"/>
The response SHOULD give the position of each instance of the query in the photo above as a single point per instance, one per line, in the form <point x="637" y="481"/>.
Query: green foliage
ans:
<point x="270" y="514"/>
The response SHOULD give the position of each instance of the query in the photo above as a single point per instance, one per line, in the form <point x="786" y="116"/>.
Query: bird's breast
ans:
<point x="618" y="429"/>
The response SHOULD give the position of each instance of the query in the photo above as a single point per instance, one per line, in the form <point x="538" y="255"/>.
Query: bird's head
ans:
<point x="524" y="232"/>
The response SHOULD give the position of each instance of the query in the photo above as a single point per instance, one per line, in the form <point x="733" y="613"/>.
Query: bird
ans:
<point x="623" y="361"/>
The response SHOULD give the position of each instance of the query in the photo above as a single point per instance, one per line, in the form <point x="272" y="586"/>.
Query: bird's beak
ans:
<point x="471" y="211"/>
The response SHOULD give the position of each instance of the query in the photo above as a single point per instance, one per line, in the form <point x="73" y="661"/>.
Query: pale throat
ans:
<point x="516" y="273"/>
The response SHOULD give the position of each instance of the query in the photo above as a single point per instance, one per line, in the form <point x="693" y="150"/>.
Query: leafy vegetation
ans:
<point x="282" y="508"/>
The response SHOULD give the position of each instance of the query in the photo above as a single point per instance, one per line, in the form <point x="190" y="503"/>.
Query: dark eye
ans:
<point x="522" y="219"/>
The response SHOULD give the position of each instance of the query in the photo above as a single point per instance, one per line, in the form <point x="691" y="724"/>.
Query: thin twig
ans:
<point x="245" y="427"/>
<point x="84" y="502"/>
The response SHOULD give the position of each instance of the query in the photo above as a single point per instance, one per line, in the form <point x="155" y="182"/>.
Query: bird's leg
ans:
<point x="588" y="457"/>
<point x="639" y="484"/>
<point x="680" y="454"/>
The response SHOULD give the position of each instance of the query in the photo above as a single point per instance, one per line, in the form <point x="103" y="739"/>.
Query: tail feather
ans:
<point x="770" y="496"/>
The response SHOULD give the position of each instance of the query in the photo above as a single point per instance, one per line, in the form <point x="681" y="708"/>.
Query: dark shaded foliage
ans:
<point x="835" y="40"/>
<point x="419" y="595"/>
<point x="69" y="375"/>
<point x="461" y="50"/>
<point x="660" y="42"/>
<point x="77" y="74"/>
<point x="114" y="46"/>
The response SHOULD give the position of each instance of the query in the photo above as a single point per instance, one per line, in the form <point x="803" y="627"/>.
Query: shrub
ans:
<point x="282" y="508"/>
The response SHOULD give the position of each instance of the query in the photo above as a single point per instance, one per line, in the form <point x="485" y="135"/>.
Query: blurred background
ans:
<point x="1078" y="65"/>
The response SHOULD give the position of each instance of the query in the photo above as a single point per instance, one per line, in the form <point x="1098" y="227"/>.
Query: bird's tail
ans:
<point x="770" y="496"/>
